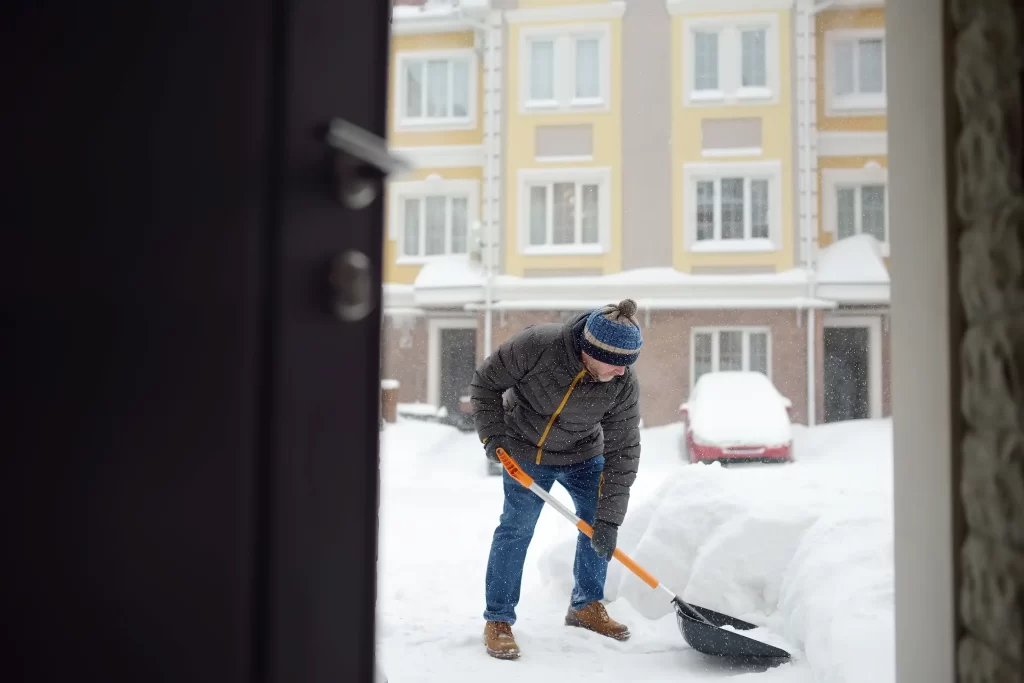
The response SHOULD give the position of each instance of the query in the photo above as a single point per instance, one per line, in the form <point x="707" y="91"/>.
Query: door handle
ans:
<point x="362" y="163"/>
<point x="351" y="295"/>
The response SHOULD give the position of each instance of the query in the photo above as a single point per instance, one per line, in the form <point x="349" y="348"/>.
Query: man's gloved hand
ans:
<point x="604" y="539"/>
<point x="492" y="444"/>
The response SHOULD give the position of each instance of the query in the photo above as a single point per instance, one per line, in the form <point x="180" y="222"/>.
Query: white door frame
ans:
<point x="434" y="327"/>
<point x="874" y="325"/>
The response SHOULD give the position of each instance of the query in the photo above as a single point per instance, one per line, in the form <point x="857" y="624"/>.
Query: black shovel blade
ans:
<point x="711" y="639"/>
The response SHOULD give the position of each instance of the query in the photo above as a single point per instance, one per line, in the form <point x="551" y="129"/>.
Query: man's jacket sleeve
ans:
<point x="621" y="427"/>
<point x="499" y="372"/>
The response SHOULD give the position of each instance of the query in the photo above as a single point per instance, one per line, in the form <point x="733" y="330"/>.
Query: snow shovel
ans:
<point x="705" y="630"/>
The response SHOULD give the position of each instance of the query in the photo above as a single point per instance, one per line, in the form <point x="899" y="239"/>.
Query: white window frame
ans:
<point x="564" y="37"/>
<point x="434" y="327"/>
<point x="747" y="330"/>
<point x="601" y="176"/>
<point x="398" y="192"/>
<point x="833" y="179"/>
<point x="730" y="60"/>
<point x="756" y="170"/>
<point x="873" y="323"/>
<point x="872" y="104"/>
<point x="406" y="124"/>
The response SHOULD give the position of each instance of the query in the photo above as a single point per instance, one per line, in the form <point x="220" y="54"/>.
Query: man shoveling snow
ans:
<point x="562" y="400"/>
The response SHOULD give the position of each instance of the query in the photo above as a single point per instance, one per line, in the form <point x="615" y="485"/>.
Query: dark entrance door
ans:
<point x="847" y="394"/>
<point x="193" y="492"/>
<point x="458" y="361"/>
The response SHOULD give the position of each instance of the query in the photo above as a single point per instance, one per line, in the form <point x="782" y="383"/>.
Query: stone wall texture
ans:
<point x="986" y="83"/>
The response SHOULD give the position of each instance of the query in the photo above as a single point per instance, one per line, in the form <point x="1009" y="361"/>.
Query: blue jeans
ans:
<point x="515" y="531"/>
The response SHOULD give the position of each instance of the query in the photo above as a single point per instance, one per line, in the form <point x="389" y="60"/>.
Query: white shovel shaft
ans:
<point x="553" y="502"/>
<point x="569" y="515"/>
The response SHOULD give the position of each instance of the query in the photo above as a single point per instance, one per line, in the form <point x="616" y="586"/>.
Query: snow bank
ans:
<point x="418" y="410"/>
<point x="804" y="550"/>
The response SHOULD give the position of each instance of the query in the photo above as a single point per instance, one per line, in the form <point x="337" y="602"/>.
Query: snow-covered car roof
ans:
<point x="738" y="408"/>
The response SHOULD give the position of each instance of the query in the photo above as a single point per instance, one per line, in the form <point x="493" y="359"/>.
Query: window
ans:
<point x="436" y="89"/>
<point x="855" y="202"/>
<point x="856" y="70"/>
<point x="434" y="225"/>
<point x="564" y="211"/>
<point x="542" y="70"/>
<point x="731" y="60"/>
<point x="729" y="349"/>
<point x="565" y="67"/>
<point x="754" y="59"/>
<point x="431" y="218"/>
<point x="732" y="207"/>
<point x="861" y="209"/>
<point x="705" y="61"/>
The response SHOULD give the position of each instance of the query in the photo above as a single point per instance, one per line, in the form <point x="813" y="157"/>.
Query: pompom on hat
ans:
<point x="612" y="334"/>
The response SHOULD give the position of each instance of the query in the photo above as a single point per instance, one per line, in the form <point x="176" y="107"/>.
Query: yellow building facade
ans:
<point x="698" y="156"/>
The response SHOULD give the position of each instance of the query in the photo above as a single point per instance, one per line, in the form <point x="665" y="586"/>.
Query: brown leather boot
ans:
<point x="595" y="618"/>
<point x="499" y="640"/>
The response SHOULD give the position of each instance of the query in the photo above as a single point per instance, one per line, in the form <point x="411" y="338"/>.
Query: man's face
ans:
<point x="603" y="371"/>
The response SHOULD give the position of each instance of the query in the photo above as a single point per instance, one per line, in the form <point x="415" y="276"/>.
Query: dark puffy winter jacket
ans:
<point x="535" y="390"/>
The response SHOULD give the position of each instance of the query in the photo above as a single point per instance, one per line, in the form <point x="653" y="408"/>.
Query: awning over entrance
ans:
<point x="853" y="270"/>
<point x="458" y="282"/>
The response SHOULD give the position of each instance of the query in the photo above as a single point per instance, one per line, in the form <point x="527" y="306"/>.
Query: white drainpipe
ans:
<point x="491" y="191"/>
<point x="808" y="229"/>
<point x="486" y="32"/>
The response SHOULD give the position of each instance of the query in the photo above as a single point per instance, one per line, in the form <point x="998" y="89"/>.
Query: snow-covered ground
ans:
<point x="804" y="550"/>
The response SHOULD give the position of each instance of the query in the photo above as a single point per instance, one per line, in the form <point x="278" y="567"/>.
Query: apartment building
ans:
<point x="849" y="163"/>
<point x="570" y="153"/>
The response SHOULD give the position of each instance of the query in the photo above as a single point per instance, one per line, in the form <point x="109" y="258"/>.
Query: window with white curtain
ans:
<point x="435" y="225"/>
<point x="564" y="67"/>
<point x="705" y="61"/>
<point x="860" y="209"/>
<point x="542" y="70"/>
<point x="732" y="206"/>
<point x="719" y="350"/>
<point x="854" y="201"/>
<point x="436" y="88"/>
<point x="731" y="59"/>
<point x="431" y="218"/>
<point x="856" y="69"/>
<point x="753" y="58"/>
<point x="564" y="211"/>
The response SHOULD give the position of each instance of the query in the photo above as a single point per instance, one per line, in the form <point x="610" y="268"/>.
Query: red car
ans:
<point x="737" y="416"/>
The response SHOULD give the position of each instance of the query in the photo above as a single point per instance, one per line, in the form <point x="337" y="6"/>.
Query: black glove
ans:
<point x="603" y="541"/>
<point x="492" y="445"/>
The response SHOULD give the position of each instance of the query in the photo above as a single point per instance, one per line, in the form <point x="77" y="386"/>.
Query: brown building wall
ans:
<point x="404" y="355"/>
<point x="664" y="365"/>
<point x="886" y="368"/>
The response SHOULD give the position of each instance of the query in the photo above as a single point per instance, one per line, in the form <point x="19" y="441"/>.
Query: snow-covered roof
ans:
<point x="458" y="281"/>
<point x="431" y="9"/>
<point x="853" y="270"/>
<point x="853" y="260"/>
<point x="657" y="288"/>
<point x="451" y="280"/>
<point x="437" y="16"/>
<point x="447" y="272"/>
<point x="666" y="277"/>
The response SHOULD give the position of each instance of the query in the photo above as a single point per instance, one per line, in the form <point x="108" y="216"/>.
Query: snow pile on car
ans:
<point x="738" y="409"/>
<point x="804" y="550"/>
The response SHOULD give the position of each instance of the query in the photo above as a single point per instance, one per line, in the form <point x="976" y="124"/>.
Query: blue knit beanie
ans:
<point x="612" y="334"/>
